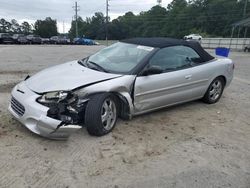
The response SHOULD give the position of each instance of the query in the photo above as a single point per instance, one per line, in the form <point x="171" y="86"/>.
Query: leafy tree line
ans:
<point x="44" y="28"/>
<point x="179" y="18"/>
<point x="14" y="27"/>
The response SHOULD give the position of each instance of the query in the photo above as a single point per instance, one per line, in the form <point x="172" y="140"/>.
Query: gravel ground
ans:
<point x="189" y="145"/>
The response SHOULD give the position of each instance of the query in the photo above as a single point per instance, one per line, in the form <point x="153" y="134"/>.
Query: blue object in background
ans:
<point x="84" y="41"/>
<point x="222" y="52"/>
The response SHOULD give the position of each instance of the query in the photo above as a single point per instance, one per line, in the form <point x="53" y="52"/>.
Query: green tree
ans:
<point x="124" y="26"/>
<point x="26" y="28"/>
<point x="179" y="18"/>
<point x="46" y="28"/>
<point x="4" y="26"/>
<point x="82" y="26"/>
<point x="15" y="27"/>
<point x="93" y="27"/>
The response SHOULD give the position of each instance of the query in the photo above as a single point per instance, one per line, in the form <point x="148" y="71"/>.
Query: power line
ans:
<point x="76" y="8"/>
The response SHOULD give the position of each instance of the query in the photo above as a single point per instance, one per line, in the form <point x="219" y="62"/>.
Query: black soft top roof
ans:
<point x="167" y="42"/>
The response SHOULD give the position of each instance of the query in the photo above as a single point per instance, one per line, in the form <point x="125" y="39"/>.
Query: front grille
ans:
<point x="17" y="107"/>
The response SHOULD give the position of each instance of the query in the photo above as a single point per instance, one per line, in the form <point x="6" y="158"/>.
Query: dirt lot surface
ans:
<point x="190" y="145"/>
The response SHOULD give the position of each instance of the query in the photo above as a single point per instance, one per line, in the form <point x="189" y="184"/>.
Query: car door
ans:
<point x="176" y="83"/>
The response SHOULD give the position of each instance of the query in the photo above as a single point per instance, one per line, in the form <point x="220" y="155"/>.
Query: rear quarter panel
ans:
<point x="212" y="69"/>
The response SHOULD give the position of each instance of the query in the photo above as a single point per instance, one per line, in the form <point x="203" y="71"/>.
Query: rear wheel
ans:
<point x="101" y="114"/>
<point x="214" y="91"/>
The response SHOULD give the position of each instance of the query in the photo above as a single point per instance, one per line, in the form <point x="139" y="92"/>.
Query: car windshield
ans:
<point x="119" y="57"/>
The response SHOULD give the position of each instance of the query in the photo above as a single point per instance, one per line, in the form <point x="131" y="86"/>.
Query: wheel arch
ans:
<point x="224" y="79"/>
<point x="125" y="103"/>
<point x="209" y="83"/>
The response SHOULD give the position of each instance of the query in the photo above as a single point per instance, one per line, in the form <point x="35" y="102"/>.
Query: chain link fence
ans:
<point x="232" y="43"/>
<point x="211" y="43"/>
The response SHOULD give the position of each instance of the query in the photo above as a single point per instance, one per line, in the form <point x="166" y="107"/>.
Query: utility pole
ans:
<point x="63" y="28"/>
<point x="76" y="8"/>
<point x="245" y="9"/>
<point x="107" y="20"/>
<point x="159" y="2"/>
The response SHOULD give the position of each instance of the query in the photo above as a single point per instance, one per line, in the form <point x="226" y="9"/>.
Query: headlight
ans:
<point x="53" y="97"/>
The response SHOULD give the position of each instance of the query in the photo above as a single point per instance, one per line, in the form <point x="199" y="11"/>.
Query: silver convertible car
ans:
<point x="128" y="78"/>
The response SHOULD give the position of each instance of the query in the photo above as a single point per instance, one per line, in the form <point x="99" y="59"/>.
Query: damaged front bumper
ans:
<point x="25" y="109"/>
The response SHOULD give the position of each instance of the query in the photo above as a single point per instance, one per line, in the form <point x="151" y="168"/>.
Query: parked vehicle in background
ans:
<point x="34" y="39"/>
<point x="20" y="39"/>
<point x="54" y="40"/>
<point x="193" y="37"/>
<point x="68" y="40"/>
<point x="75" y="40"/>
<point x="83" y="41"/>
<point x="6" y="38"/>
<point x="59" y="40"/>
<point x="45" y="40"/>
<point x="247" y="48"/>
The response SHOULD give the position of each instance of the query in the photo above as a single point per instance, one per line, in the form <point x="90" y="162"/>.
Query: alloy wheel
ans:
<point x="215" y="90"/>
<point x="108" y="114"/>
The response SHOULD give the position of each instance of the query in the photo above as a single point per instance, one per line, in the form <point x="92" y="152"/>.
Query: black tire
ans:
<point x="95" y="110"/>
<point x="210" y="98"/>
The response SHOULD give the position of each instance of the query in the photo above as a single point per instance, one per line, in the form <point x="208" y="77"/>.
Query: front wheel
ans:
<point x="214" y="91"/>
<point x="101" y="114"/>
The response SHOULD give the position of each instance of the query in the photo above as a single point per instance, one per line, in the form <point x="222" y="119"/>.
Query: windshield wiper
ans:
<point x="96" y="66"/>
<point x="83" y="62"/>
<point x="91" y="65"/>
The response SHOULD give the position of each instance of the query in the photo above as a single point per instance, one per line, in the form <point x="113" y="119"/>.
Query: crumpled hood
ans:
<point x="65" y="77"/>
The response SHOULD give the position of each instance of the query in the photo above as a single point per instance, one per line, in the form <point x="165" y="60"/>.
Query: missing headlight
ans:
<point x="64" y="106"/>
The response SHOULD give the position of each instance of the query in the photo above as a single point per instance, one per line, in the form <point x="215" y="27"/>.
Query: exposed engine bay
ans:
<point x="64" y="106"/>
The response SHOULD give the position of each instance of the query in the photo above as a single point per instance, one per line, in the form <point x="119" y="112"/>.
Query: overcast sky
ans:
<point x="62" y="11"/>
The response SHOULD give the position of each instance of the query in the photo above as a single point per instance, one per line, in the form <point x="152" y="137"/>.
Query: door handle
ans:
<point x="188" y="77"/>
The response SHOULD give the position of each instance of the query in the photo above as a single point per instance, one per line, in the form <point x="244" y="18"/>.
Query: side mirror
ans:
<point x="196" y="60"/>
<point x="152" y="70"/>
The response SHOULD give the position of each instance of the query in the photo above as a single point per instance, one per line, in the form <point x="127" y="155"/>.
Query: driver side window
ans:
<point x="174" y="58"/>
